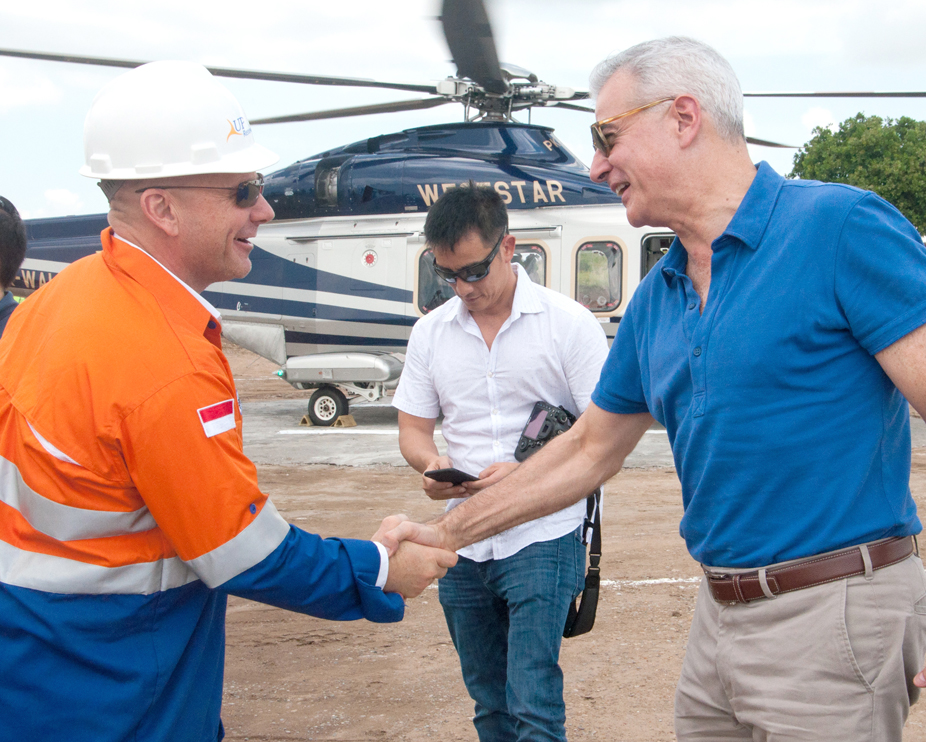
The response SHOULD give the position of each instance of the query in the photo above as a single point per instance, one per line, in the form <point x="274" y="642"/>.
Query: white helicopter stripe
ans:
<point x="311" y="296"/>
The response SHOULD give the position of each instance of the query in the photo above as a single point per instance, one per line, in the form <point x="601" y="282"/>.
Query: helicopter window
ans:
<point x="432" y="291"/>
<point x="534" y="260"/>
<point x="598" y="276"/>
<point x="654" y="247"/>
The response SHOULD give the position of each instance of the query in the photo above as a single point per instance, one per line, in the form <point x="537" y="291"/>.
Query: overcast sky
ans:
<point x="775" y="45"/>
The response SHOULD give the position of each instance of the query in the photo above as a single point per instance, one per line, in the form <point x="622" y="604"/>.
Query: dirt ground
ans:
<point x="293" y="677"/>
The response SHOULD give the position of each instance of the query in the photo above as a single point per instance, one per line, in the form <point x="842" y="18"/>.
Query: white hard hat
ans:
<point x="165" y="119"/>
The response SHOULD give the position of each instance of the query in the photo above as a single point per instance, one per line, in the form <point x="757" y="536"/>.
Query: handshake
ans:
<point x="417" y="555"/>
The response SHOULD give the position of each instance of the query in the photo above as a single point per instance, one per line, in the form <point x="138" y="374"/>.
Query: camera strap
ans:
<point x="582" y="612"/>
<point x="544" y="424"/>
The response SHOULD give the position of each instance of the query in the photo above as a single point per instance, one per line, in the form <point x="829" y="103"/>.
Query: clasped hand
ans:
<point x="412" y="566"/>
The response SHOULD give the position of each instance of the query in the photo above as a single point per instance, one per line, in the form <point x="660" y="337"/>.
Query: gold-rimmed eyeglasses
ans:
<point x="600" y="140"/>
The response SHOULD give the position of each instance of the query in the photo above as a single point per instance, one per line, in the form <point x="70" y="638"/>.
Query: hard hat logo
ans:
<point x="239" y="127"/>
<point x="161" y="120"/>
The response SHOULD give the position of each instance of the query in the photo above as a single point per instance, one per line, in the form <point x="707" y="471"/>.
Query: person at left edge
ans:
<point x="12" y="252"/>
<point x="128" y="510"/>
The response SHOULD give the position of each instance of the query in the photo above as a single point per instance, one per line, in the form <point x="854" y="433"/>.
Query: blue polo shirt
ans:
<point x="788" y="437"/>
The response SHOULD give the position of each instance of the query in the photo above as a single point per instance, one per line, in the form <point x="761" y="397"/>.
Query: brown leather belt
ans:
<point x="747" y="586"/>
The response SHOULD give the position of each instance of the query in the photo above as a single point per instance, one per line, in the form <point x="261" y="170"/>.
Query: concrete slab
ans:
<point x="272" y="435"/>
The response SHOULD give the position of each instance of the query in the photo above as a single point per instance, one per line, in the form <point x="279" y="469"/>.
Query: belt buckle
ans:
<point x="732" y="579"/>
<point x="768" y="585"/>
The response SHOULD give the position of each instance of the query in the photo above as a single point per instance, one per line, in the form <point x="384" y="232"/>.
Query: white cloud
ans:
<point x="17" y="91"/>
<point x="61" y="202"/>
<point x="818" y="116"/>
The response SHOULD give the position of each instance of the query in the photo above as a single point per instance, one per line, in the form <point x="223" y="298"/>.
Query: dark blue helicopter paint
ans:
<point x="407" y="171"/>
<point x="60" y="240"/>
<point x="65" y="238"/>
<point x="292" y="336"/>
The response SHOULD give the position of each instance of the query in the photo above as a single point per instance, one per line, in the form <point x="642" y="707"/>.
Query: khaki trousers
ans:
<point x="832" y="662"/>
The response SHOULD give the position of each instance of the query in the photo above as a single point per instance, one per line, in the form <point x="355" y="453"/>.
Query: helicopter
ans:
<point x="343" y="272"/>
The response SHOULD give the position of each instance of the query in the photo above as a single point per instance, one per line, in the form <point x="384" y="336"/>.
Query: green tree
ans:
<point x="884" y="156"/>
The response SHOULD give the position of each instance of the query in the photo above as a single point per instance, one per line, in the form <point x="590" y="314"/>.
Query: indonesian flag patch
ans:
<point x="217" y="418"/>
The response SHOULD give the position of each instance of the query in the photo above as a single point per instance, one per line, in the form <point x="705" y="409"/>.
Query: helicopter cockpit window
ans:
<point x="598" y="276"/>
<point x="432" y="291"/>
<point x="510" y="141"/>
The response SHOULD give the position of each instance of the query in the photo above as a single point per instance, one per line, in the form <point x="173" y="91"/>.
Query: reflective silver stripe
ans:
<point x="64" y="522"/>
<point x="53" y="574"/>
<point x="56" y="452"/>
<point x="254" y="544"/>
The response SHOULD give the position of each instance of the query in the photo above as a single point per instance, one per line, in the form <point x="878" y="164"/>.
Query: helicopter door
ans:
<point x="361" y="291"/>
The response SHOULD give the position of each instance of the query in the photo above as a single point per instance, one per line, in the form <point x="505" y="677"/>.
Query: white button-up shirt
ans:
<point x="550" y="349"/>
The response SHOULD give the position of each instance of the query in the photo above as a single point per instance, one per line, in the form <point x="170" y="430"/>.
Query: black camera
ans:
<point x="544" y="424"/>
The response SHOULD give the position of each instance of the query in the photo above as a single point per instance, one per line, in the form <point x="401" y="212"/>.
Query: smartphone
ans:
<point x="454" y="476"/>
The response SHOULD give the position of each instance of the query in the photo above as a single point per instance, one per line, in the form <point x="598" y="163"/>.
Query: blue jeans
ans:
<point x="506" y="619"/>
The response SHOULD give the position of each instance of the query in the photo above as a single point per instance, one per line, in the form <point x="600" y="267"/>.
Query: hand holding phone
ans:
<point x="451" y="475"/>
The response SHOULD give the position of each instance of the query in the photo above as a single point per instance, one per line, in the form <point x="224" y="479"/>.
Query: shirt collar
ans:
<point x="211" y="309"/>
<point x="747" y="226"/>
<point x="755" y="210"/>
<point x="177" y="300"/>
<point x="525" y="300"/>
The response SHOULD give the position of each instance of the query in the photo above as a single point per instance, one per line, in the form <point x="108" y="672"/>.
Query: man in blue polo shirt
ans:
<point x="778" y="341"/>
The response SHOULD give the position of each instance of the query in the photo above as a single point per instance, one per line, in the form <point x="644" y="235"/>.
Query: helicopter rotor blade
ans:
<point x="844" y="94"/>
<point x="750" y="140"/>
<point x="469" y="36"/>
<point x="572" y="107"/>
<point x="403" y="105"/>
<point x="230" y="72"/>
<point x="766" y="143"/>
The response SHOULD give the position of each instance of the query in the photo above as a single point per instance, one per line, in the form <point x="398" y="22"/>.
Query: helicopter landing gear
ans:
<point x="326" y="405"/>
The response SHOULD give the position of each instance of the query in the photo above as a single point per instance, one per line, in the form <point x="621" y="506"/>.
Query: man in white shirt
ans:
<point x="483" y="359"/>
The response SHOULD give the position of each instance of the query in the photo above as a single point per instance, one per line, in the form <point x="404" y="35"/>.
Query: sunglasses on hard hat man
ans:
<point x="246" y="192"/>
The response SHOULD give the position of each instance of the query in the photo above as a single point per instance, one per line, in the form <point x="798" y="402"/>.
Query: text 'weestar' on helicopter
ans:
<point x="342" y="273"/>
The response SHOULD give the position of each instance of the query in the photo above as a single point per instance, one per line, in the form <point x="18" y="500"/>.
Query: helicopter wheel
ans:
<point x="326" y="406"/>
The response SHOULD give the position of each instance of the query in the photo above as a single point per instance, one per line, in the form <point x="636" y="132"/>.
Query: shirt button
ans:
<point x="697" y="351"/>
<point x="692" y="305"/>
<point x="494" y="412"/>
<point x="491" y="374"/>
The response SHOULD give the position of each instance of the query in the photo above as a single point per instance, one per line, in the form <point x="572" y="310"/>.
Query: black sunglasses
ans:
<point x="472" y="272"/>
<point x="246" y="193"/>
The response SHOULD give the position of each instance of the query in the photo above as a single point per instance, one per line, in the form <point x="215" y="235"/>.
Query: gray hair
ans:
<point x="675" y="66"/>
